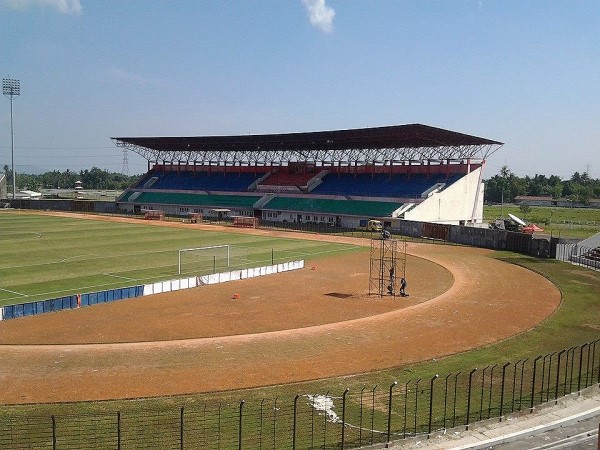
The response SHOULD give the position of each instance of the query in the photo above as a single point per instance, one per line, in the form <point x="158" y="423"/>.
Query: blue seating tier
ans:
<point x="203" y="181"/>
<point x="381" y="185"/>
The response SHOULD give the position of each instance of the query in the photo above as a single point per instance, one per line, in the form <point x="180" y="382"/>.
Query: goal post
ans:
<point x="211" y="250"/>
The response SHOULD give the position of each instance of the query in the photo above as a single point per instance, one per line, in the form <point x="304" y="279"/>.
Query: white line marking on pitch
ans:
<point x="71" y="258"/>
<point x="118" y="276"/>
<point x="13" y="292"/>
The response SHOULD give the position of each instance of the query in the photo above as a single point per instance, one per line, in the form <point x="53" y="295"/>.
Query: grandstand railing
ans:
<point x="344" y="420"/>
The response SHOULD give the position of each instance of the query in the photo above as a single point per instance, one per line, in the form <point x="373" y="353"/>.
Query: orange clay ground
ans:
<point x="284" y="328"/>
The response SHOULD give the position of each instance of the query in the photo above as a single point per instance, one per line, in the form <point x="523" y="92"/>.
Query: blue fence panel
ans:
<point x="18" y="310"/>
<point x="9" y="312"/>
<point x="28" y="309"/>
<point x="48" y="305"/>
<point x="70" y="302"/>
<point x="56" y="304"/>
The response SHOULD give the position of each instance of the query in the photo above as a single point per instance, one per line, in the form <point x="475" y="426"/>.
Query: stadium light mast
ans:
<point x="11" y="88"/>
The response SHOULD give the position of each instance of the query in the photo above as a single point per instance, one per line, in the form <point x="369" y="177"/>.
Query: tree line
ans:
<point x="94" y="178"/>
<point x="505" y="186"/>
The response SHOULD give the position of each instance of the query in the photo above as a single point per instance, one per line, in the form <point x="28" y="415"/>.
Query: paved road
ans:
<point x="571" y="424"/>
<point x="582" y="435"/>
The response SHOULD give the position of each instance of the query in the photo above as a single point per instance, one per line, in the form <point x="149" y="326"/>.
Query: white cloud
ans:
<point x="320" y="15"/>
<point x="63" y="6"/>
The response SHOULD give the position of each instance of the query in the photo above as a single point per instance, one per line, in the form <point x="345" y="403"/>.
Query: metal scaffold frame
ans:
<point x="387" y="266"/>
<point x="358" y="156"/>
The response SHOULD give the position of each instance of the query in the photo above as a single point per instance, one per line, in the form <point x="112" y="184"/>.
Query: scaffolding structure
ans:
<point x="387" y="265"/>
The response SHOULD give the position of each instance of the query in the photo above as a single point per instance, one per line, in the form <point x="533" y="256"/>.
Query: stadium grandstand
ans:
<point x="332" y="178"/>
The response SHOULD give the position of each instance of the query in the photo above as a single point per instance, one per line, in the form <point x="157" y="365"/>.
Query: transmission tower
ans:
<point x="125" y="168"/>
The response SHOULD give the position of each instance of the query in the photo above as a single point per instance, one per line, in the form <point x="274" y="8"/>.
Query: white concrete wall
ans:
<point x="222" y="277"/>
<point x="454" y="204"/>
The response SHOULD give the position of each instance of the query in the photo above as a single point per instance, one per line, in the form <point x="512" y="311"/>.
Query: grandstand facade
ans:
<point x="331" y="178"/>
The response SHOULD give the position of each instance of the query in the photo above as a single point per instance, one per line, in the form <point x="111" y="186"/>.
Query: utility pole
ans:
<point x="12" y="88"/>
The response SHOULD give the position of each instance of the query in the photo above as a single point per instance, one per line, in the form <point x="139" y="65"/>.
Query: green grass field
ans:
<point x="559" y="222"/>
<point x="47" y="257"/>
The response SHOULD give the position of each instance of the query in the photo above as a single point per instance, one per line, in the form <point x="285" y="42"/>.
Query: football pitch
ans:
<point x="46" y="257"/>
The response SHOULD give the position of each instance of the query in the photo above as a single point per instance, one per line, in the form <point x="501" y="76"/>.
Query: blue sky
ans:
<point x="526" y="73"/>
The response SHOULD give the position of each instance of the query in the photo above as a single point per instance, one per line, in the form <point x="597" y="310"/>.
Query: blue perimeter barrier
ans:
<point x="69" y="302"/>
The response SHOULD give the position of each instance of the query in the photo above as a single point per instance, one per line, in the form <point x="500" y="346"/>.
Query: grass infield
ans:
<point x="48" y="257"/>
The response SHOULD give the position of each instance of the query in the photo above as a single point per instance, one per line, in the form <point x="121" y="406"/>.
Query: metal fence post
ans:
<point x="53" y="432"/>
<point x="549" y="375"/>
<point x="219" y="428"/>
<point x="431" y="404"/>
<point x="491" y="390"/>
<point x="181" y="428"/>
<point x="543" y="377"/>
<point x="360" y="427"/>
<point x="502" y="389"/>
<point x="482" y="389"/>
<point x="416" y="403"/>
<point x="373" y="414"/>
<point x="405" y="407"/>
<point x="454" y="403"/>
<point x="521" y="384"/>
<point x="567" y="371"/>
<point x="469" y="397"/>
<point x="389" y="422"/>
<point x="295" y="421"/>
<point x="446" y="398"/>
<point x="580" y="364"/>
<point x="344" y="418"/>
<point x="274" y="421"/>
<point x="239" y="425"/>
<point x="587" y="366"/>
<point x="572" y="365"/>
<point x="558" y="376"/>
<point x="594" y="360"/>
<point x="118" y="430"/>
<point x="261" y="425"/>
<point x="512" y="405"/>
<point x="325" y="425"/>
<point x="533" y="382"/>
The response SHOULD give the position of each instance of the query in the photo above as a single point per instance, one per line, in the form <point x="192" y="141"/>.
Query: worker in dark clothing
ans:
<point x="392" y="282"/>
<point x="403" y="287"/>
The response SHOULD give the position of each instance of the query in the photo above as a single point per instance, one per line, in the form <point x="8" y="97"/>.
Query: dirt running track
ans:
<point x="289" y="327"/>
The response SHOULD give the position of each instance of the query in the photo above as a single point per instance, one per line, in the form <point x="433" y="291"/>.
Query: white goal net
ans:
<point x="203" y="260"/>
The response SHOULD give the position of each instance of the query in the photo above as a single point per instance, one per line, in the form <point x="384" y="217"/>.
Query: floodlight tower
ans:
<point x="12" y="88"/>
